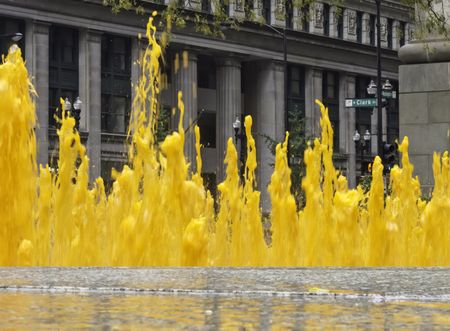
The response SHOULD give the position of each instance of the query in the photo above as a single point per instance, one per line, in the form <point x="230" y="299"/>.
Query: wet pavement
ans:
<point x="223" y="298"/>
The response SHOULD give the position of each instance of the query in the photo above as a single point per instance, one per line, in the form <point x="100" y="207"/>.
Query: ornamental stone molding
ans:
<point x="351" y="22"/>
<point x="318" y="15"/>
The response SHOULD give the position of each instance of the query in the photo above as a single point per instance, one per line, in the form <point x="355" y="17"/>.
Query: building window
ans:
<point x="224" y="6"/>
<point x="9" y="26"/>
<point x="116" y="83"/>
<point x="206" y="72"/>
<point x="330" y="91"/>
<point x="401" y="33"/>
<point x="63" y="69"/>
<point x="326" y="19"/>
<point x="296" y="102"/>
<point x="363" y="115"/>
<point x="290" y="15"/>
<point x="266" y="10"/>
<point x="305" y="17"/>
<point x="107" y="167"/>
<point x="207" y="125"/>
<point x="389" y="33"/>
<point x="206" y="6"/>
<point x="372" y="27"/>
<point x="209" y="182"/>
<point x="359" y="26"/>
<point x="340" y="23"/>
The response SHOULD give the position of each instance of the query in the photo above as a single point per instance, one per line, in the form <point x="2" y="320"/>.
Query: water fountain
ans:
<point x="159" y="214"/>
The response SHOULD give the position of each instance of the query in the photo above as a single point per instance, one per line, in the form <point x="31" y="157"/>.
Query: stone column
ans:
<point x="185" y="79"/>
<point x="265" y="102"/>
<point x="193" y="4"/>
<point x="316" y="22"/>
<point x="237" y="9"/>
<point x="333" y="19"/>
<point x="409" y="33"/>
<point x="90" y="86"/>
<point x="313" y="91"/>
<point x="297" y="18"/>
<point x="278" y="13"/>
<point x="383" y="32"/>
<point x="228" y="107"/>
<point x="350" y="24"/>
<point x="365" y="28"/>
<point x="258" y="14"/>
<point x="374" y="131"/>
<point x="350" y="84"/>
<point x="37" y="58"/>
<point x="395" y="35"/>
<point x="343" y="116"/>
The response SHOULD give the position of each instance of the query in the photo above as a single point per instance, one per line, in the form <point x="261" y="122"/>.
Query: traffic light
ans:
<point x="388" y="157"/>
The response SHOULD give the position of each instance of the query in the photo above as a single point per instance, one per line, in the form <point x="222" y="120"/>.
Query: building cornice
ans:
<point x="228" y="46"/>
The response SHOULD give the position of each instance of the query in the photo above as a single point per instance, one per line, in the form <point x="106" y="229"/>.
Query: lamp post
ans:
<point x="67" y="105"/>
<point x="373" y="89"/>
<point x="77" y="105"/>
<point x="16" y="36"/>
<point x="237" y="128"/>
<point x="362" y="144"/>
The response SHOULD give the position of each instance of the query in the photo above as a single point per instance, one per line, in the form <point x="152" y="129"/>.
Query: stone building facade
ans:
<point x="79" y="48"/>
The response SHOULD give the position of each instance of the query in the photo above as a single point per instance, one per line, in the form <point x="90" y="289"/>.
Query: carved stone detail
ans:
<point x="318" y="15"/>
<point x="351" y="22"/>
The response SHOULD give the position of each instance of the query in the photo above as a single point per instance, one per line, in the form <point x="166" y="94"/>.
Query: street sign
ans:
<point x="367" y="103"/>
<point x="386" y="94"/>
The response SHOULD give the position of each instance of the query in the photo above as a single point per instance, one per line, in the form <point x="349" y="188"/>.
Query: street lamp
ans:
<point x="372" y="88"/>
<point x="67" y="105"/>
<point x="237" y="128"/>
<point x="77" y="105"/>
<point x="387" y="86"/>
<point x="16" y="36"/>
<point x="362" y="145"/>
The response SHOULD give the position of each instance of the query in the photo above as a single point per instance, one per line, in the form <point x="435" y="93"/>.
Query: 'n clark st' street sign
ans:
<point x="368" y="103"/>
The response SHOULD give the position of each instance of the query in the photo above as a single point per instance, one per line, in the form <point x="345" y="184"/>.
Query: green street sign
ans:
<point x="386" y="94"/>
<point x="367" y="103"/>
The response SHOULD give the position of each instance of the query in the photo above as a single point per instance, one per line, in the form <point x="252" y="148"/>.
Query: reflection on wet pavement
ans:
<point x="202" y="298"/>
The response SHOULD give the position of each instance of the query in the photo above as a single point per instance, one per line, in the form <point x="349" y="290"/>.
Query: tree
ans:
<point x="298" y="142"/>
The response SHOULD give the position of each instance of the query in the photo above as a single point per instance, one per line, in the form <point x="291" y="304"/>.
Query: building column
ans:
<point x="316" y="21"/>
<point x="396" y="35"/>
<point x="185" y="79"/>
<point x="237" y="9"/>
<point x="278" y="13"/>
<point x="374" y="131"/>
<point x="333" y="19"/>
<point x="343" y="116"/>
<point x="228" y="107"/>
<point x="313" y="91"/>
<point x="350" y="84"/>
<point x="90" y="66"/>
<point x="37" y="60"/>
<point x="383" y="32"/>
<point x="384" y="123"/>
<point x="350" y="24"/>
<point x="365" y="38"/>
<point x="265" y="102"/>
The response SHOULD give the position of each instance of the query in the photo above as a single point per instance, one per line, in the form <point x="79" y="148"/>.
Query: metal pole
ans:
<point x="379" y="84"/>
<point x="286" y="107"/>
